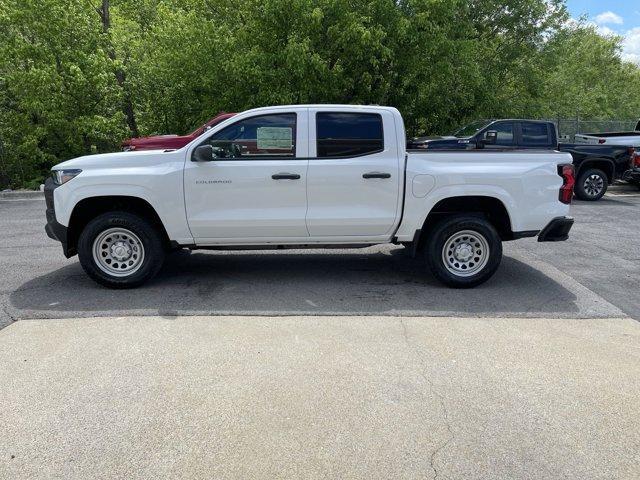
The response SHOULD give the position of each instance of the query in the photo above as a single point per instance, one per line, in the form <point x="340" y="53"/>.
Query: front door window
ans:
<point x="261" y="137"/>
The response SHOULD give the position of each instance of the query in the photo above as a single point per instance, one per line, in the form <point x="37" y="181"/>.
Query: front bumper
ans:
<point x="557" y="230"/>
<point x="55" y="230"/>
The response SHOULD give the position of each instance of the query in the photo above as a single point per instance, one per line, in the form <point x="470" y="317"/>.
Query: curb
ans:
<point x="21" y="194"/>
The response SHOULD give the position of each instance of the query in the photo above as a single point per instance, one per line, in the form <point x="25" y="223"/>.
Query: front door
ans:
<point x="506" y="139"/>
<point x="354" y="175"/>
<point x="254" y="184"/>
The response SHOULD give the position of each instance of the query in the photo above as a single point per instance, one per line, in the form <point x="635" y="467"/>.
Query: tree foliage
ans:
<point x="79" y="76"/>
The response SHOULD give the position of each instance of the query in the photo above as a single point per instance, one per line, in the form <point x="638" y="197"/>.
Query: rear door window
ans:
<point x="348" y="134"/>
<point x="534" y="134"/>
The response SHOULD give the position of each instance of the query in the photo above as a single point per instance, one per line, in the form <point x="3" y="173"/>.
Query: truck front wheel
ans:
<point x="120" y="250"/>
<point x="463" y="251"/>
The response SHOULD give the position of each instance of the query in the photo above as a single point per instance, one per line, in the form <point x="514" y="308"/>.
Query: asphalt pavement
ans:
<point x="594" y="274"/>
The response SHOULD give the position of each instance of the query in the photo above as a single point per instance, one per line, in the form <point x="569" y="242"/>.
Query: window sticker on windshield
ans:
<point x="275" y="137"/>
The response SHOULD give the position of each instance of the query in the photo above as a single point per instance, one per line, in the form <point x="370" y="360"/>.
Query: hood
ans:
<point x="432" y="138"/>
<point x="151" y="139"/>
<point x="110" y="159"/>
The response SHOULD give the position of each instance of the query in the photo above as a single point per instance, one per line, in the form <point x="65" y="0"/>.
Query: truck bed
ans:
<point x="612" y="134"/>
<point x="629" y="139"/>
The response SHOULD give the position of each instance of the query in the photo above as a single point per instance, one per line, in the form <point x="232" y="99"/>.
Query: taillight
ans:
<point x="567" y="173"/>
<point x="635" y="160"/>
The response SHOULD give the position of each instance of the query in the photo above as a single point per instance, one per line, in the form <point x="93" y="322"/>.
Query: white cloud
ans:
<point x="605" y="31"/>
<point x="609" y="17"/>
<point x="601" y="29"/>
<point x="631" y="46"/>
<point x="630" y="38"/>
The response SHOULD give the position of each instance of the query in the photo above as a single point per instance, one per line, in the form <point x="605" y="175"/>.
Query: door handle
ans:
<point x="376" y="175"/>
<point x="285" y="176"/>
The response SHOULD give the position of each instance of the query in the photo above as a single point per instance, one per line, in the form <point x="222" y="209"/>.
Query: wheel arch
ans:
<point x="490" y="208"/>
<point x="604" y="164"/>
<point x="89" y="208"/>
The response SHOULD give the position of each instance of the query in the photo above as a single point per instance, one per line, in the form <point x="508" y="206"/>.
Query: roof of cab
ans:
<point x="325" y="106"/>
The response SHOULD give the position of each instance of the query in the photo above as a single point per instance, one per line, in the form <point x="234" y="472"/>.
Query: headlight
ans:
<point x="63" y="176"/>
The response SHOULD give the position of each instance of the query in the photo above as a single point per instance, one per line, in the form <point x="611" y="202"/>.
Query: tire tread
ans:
<point x="447" y="227"/>
<point x="146" y="231"/>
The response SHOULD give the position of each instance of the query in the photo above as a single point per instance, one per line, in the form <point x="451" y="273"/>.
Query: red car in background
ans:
<point x="162" y="142"/>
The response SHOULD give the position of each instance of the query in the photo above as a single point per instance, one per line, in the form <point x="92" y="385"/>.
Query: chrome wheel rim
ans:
<point x="593" y="185"/>
<point x="465" y="253"/>
<point x="118" y="252"/>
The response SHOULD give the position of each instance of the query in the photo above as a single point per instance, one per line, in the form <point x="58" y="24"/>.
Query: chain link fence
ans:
<point x="568" y="127"/>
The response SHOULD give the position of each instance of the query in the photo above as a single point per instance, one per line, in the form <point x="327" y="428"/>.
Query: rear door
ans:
<point x="536" y="135"/>
<point x="254" y="186"/>
<point x="354" y="176"/>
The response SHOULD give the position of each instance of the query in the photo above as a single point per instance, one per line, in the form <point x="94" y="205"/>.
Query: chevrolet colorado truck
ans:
<point x="306" y="176"/>
<point x="597" y="165"/>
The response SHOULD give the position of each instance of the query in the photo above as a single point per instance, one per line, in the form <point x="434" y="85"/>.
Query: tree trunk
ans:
<point x="121" y="76"/>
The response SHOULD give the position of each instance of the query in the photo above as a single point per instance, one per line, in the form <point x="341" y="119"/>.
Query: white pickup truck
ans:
<point x="306" y="176"/>
<point x="628" y="139"/>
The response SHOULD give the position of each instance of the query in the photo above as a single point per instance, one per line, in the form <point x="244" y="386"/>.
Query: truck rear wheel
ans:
<point x="120" y="250"/>
<point x="591" y="185"/>
<point x="463" y="251"/>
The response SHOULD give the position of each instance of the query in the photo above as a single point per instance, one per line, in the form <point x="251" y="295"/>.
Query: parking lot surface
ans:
<point x="594" y="274"/>
<point x="324" y="364"/>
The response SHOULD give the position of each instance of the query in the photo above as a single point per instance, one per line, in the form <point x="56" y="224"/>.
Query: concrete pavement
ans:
<point x="320" y="397"/>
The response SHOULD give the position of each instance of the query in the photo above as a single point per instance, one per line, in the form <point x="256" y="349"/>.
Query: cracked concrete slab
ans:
<point x="320" y="397"/>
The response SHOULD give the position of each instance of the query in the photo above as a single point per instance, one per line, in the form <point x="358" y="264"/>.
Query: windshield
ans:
<point x="471" y="129"/>
<point x="212" y="122"/>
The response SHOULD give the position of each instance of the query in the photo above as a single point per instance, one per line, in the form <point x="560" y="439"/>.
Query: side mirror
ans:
<point x="491" y="137"/>
<point x="202" y="153"/>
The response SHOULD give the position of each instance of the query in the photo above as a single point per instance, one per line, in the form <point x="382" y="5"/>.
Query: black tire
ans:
<point x="151" y="254"/>
<point x="486" y="262"/>
<point x="592" y="184"/>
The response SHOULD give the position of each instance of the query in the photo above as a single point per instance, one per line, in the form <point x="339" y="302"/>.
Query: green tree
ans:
<point x="79" y="76"/>
<point x="57" y="95"/>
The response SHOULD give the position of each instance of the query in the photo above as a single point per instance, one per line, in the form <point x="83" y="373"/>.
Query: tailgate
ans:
<point x="587" y="139"/>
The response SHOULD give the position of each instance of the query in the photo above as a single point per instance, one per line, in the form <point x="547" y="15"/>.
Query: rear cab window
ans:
<point x="346" y="134"/>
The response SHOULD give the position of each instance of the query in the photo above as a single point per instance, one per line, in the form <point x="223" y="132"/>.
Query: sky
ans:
<point x="621" y="17"/>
